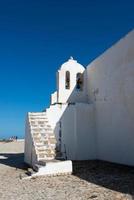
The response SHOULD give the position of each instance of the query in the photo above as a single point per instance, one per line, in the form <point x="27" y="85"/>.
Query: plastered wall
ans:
<point x="110" y="81"/>
<point x="78" y="132"/>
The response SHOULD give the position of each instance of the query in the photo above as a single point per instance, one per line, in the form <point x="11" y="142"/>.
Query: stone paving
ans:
<point x="90" y="180"/>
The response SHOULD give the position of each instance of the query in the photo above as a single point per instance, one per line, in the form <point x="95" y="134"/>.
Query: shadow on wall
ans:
<point x="15" y="160"/>
<point x="79" y="92"/>
<point x="74" y="128"/>
<point x="115" y="177"/>
<point x="72" y="89"/>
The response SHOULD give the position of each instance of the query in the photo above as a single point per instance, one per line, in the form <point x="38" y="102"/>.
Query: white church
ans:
<point x="91" y="114"/>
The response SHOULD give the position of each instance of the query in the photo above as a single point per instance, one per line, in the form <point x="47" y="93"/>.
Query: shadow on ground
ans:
<point x="115" y="177"/>
<point x="112" y="176"/>
<point x="15" y="160"/>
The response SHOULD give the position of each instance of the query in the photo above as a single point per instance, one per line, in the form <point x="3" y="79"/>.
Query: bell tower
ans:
<point x="70" y="82"/>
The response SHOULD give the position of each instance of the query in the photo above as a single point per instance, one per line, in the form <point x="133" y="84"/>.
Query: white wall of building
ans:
<point x="28" y="145"/>
<point x="78" y="132"/>
<point x="55" y="112"/>
<point x="54" y="98"/>
<point x="77" y="125"/>
<point x="68" y="137"/>
<point x="111" y="89"/>
<point x="85" y="132"/>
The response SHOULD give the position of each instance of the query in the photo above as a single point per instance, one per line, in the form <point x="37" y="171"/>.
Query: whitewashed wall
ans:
<point x="78" y="132"/>
<point x="111" y="88"/>
<point x="68" y="140"/>
<point x="28" y="145"/>
<point x="85" y="132"/>
<point x="78" y="136"/>
<point x="54" y="113"/>
<point x="54" y="98"/>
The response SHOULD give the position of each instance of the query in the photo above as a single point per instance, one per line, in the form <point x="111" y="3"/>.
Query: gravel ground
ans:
<point x="91" y="180"/>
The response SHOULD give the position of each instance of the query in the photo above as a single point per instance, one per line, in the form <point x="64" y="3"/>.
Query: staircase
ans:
<point x="44" y="158"/>
<point x="44" y="141"/>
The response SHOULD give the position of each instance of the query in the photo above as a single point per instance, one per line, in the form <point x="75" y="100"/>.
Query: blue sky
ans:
<point x="37" y="36"/>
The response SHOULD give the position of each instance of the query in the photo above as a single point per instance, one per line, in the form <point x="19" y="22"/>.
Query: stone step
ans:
<point x="45" y="157"/>
<point x="36" y="113"/>
<point x="53" y="146"/>
<point x="42" y="122"/>
<point x="48" y="151"/>
<point x="38" y="131"/>
<point x="49" y="131"/>
<point x="37" y="141"/>
<point x="45" y="138"/>
<point x="48" y="126"/>
<point x="34" y="126"/>
<point x="43" y="131"/>
<point x="32" y="122"/>
<point x="38" y="120"/>
<point x="42" y="148"/>
<point x="36" y="135"/>
<point x="45" y="153"/>
<point x="41" y="127"/>
<point x="54" y="168"/>
<point x="45" y="142"/>
<point x="39" y="144"/>
<point x="35" y="118"/>
<point x="41" y="155"/>
<point x="38" y="126"/>
<point x="45" y="135"/>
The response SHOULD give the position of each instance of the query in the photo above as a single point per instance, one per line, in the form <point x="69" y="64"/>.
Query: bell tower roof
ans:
<point x="70" y="64"/>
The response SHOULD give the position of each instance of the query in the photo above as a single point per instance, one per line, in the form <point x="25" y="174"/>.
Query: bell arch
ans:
<point x="79" y="81"/>
<point x="67" y="80"/>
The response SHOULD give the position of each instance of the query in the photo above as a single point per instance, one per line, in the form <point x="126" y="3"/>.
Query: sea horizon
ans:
<point x="8" y="136"/>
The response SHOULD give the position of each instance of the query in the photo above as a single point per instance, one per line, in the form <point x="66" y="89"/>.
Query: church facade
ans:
<point x="91" y="114"/>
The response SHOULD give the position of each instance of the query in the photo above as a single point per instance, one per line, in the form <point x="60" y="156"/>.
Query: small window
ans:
<point x="79" y="81"/>
<point x="67" y="80"/>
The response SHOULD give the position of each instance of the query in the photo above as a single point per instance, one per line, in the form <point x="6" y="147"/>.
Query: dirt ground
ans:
<point x="90" y="180"/>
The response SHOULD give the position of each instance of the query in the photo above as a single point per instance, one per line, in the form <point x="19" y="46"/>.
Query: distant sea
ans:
<point x="7" y="136"/>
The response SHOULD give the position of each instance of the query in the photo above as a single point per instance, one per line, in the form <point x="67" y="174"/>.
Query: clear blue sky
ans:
<point x="37" y="36"/>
